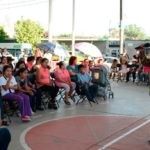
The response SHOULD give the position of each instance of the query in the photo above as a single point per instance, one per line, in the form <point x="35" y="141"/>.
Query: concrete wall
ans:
<point x="131" y="44"/>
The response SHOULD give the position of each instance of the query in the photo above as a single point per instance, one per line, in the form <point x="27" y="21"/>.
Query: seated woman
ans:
<point x="124" y="69"/>
<point x="32" y="73"/>
<point x="73" y="68"/>
<point x="62" y="79"/>
<point x="87" y="87"/>
<point x="45" y="84"/>
<point x="8" y="87"/>
<point x="30" y="62"/>
<point x="26" y="87"/>
<point x="113" y="69"/>
<point x="142" y="76"/>
<point x="19" y="65"/>
<point x="37" y="64"/>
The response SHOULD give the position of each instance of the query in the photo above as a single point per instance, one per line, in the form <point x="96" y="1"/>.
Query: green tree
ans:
<point x="27" y="31"/>
<point x="3" y="34"/>
<point x="104" y="37"/>
<point x="134" y="32"/>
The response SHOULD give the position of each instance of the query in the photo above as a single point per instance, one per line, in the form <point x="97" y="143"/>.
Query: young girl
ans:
<point x="8" y="86"/>
<point x="26" y="87"/>
<point x="113" y="69"/>
<point x="124" y="70"/>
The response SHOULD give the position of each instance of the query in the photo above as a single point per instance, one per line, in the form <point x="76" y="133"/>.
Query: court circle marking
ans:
<point x="23" y="134"/>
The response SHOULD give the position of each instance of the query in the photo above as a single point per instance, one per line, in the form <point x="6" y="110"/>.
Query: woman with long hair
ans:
<point x="45" y="84"/>
<point x="73" y="68"/>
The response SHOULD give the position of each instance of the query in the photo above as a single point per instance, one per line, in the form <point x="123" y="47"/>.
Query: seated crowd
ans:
<point x="27" y="81"/>
<point x="134" y="70"/>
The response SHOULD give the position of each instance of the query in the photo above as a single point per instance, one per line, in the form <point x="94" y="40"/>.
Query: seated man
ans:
<point x="87" y="87"/>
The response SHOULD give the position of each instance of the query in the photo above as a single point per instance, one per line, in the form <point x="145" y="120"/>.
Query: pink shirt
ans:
<point x="146" y="69"/>
<point x="44" y="76"/>
<point x="63" y="75"/>
<point x="29" y="65"/>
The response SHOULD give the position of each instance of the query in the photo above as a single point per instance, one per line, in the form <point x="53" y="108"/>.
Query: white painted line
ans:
<point x="123" y="135"/>
<point x="22" y="136"/>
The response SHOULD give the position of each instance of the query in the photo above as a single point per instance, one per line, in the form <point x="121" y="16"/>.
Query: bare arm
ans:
<point x="71" y="73"/>
<point x="7" y="86"/>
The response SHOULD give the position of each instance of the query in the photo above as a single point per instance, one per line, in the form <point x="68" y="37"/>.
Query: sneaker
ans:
<point x="25" y="118"/>
<point x="55" y="106"/>
<point x="40" y="108"/>
<point x="92" y="100"/>
<point x="73" y="98"/>
<point x="67" y="102"/>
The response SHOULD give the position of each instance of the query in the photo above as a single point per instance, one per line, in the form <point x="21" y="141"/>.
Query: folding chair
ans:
<point x="60" y="95"/>
<point x="9" y="108"/>
<point x="45" y="99"/>
<point x="82" y="96"/>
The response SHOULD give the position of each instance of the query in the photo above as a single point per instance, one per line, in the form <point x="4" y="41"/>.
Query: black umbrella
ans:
<point x="145" y="45"/>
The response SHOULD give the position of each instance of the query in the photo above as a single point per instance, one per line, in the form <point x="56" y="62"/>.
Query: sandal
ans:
<point x="52" y="106"/>
<point x="4" y="123"/>
<point x="67" y="102"/>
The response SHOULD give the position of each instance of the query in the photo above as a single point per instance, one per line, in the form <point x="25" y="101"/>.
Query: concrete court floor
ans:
<point x="130" y="101"/>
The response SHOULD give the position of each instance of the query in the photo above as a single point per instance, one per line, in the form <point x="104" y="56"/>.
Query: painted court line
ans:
<point x="124" y="135"/>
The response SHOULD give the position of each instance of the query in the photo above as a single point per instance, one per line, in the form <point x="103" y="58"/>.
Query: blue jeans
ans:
<point x="143" y="77"/>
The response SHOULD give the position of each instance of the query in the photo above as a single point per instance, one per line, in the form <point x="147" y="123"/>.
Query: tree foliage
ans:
<point x="134" y="32"/>
<point x="27" y="31"/>
<point x="3" y="34"/>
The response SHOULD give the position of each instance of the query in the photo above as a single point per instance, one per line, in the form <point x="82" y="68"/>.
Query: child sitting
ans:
<point x="87" y="87"/>
<point x="8" y="91"/>
<point x="26" y="87"/>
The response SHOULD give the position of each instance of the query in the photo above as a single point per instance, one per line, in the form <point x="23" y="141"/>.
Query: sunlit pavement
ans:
<point x="121" y="123"/>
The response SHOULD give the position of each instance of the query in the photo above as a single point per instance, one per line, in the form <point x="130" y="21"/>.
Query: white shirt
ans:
<point x="48" y="56"/>
<point x="3" y="81"/>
